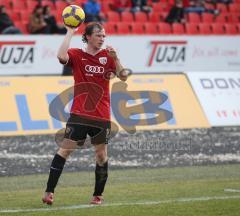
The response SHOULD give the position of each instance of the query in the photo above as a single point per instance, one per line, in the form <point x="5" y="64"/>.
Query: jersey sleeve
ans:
<point x="72" y="55"/>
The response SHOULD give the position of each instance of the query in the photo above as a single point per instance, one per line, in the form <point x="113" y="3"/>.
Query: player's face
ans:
<point x="97" y="38"/>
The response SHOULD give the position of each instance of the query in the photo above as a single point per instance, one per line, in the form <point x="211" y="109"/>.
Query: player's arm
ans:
<point x="121" y="73"/>
<point x="63" y="50"/>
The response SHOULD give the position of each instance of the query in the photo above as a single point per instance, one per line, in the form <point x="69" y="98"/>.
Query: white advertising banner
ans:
<point x="32" y="55"/>
<point x="219" y="95"/>
<point x="29" y="55"/>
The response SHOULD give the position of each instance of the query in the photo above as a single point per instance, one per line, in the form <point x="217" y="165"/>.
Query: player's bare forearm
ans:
<point x="62" y="52"/>
<point x="122" y="74"/>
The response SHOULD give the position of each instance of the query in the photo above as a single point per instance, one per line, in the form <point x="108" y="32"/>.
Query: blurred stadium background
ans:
<point x="187" y="165"/>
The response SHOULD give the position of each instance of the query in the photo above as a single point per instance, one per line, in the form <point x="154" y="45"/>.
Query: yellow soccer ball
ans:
<point x="73" y="16"/>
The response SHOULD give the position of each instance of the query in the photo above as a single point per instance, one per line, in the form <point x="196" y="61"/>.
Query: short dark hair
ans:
<point x="45" y="7"/>
<point x="36" y="8"/>
<point x="89" y="30"/>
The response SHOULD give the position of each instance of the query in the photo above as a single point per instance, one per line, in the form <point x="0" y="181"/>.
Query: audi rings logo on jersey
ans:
<point x="94" y="69"/>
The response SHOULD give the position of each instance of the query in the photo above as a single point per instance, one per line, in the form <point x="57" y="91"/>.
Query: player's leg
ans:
<point x="75" y="135"/>
<point x="99" y="138"/>
<point x="57" y="165"/>
<point x="101" y="172"/>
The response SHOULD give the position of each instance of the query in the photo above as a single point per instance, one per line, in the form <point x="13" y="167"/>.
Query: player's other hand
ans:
<point x="112" y="52"/>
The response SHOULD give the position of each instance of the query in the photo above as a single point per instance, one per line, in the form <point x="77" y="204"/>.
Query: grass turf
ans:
<point x="169" y="186"/>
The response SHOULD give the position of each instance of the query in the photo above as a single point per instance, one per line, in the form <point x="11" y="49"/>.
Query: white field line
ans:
<point x="178" y="200"/>
<point x="231" y="190"/>
<point x="24" y="156"/>
<point x="213" y="158"/>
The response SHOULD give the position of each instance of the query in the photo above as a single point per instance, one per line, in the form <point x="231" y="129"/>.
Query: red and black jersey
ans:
<point x="91" y="86"/>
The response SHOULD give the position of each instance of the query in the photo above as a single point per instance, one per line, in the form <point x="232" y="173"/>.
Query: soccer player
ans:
<point x="90" y="113"/>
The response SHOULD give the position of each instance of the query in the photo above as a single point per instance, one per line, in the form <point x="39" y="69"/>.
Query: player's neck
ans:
<point x="92" y="50"/>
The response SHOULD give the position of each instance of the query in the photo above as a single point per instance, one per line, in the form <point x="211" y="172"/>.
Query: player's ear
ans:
<point x="88" y="37"/>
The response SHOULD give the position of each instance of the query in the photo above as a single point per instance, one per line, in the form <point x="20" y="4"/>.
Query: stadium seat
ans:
<point x="150" y="28"/>
<point x="234" y="18"/>
<point x="191" y="28"/>
<point x="231" y="28"/>
<point x="204" y="28"/>
<point x="60" y="5"/>
<point x="222" y="7"/>
<point x="158" y="7"/>
<point x="22" y="26"/>
<point x="218" y="28"/>
<point x="105" y="7"/>
<point x="165" y="1"/>
<point x="238" y="27"/>
<point x="110" y="28"/>
<point x="25" y="16"/>
<point x="18" y="6"/>
<point x="234" y="7"/>
<point x="81" y="29"/>
<point x="154" y="17"/>
<point x="178" y="28"/>
<point x="140" y="17"/>
<point x="207" y="17"/>
<point x="221" y="18"/>
<point x="54" y="12"/>
<point x="164" y="28"/>
<point x="31" y="5"/>
<point x="137" y="28"/>
<point x="78" y="2"/>
<point x="6" y="3"/>
<point x="110" y="1"/>
<point x="49" y="3"/>
<point x="127" y="17"/>
<point x="123" y="28"/>
<point x="15" y="16"/>
<point x="58" y="16"/>
<point x="193" y="18"/>
<point x="113" y="16"/>
<point x="163" y="16"/>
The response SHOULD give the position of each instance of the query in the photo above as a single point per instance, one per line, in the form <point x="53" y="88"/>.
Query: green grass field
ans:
<point x="167" y="191"/>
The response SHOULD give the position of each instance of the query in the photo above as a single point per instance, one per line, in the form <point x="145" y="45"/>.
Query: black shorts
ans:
<point x="79" y="127"/>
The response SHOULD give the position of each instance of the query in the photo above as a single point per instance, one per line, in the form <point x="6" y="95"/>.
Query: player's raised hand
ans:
<point x="112" y="52"/>
<point x="71" y="30"/>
